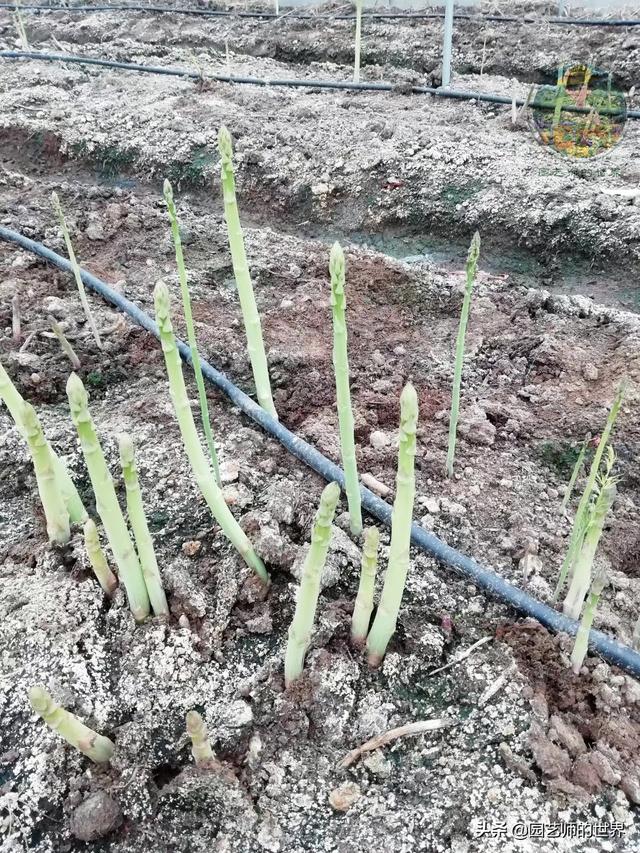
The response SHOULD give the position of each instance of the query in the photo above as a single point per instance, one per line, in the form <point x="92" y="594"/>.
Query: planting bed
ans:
<point x="553" y="328"/>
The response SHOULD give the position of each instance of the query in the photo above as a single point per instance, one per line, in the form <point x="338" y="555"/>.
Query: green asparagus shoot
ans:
<point x="97" y="559"/>
<point x="191" y="331"/>
<point x="65" y="346"/>
<point x="582" y="513"/>
<point x="384" y="624"/>
<point x="576" y="471"/>
<point x="200" y="744"/>
<point x="471" y="269"/>
<point x="96" y="747"/>
<point x="14" y="402"/>
<point x="76" y="269"/>
<point x="20" y="27"/>
<point x="364" y="600"/>
<point x="253" y="329"/>
<point x="582" y="637"/>
<point x="106" y="500"/>
<point x="202" y="473"/>
<point x="309" y="589"/>
<point x="343" y="393"/>
<point x="53" y="504"/>
<point x="636" y="635"/>
<point x="138" y="522"/>
<point x="356" y="57"/>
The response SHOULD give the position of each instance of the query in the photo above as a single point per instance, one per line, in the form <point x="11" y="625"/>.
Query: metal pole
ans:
<point x="446" y="43"/>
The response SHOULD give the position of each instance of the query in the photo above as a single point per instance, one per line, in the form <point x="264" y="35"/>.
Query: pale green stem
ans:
<point x="581" y="644"/>
<point x="22" y="32"/>
<point x="107" y="501"/>
<point x="97" y="559"/>
<point x="582" y="572"/>
<point x="356" y="57"/>
<point x="384" y="624"/>
<point x="14" y="402"/>
<point x="582" y="513"/>
<point x="253" y="329"/>
<point x="53" y="504"/>
<point x="576" y="471"/>
<point x="191" y="331"/>
<point x="138" y="522"/>
<point x="343" y="392"/>
<point x="66" y="347"/>
<point x="201" y="469"/>
<point x="96" y="747"/>
<point x="16" y="329"/>
<point x="309" y="589"/>
<point x="471" y="268"/>
<point x="200" y="745"/>
<point x="636" y="635"/>
<point x="76" y="269"/>
<point x="364" y="599"/>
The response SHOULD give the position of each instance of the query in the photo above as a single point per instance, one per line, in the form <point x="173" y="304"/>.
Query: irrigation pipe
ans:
<point x="378" y="16"/>
<point x="487" y="580"/>
<point x="311" y="83"/>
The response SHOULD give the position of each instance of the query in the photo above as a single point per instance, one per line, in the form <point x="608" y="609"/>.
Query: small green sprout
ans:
<point x="106" y="500"/>
<point x="97" y="559"/>
<point x="356" y="56"/>
<point x="471" y="270"/>
<point x="138" y="522"/>
<point x="76" y="269"/>
<point x="53" y="504"/>
<point x="96" y="747"/>
<point x="576" y="471"/>
<point x="204" y="478"/>
<point x="364" y="600"/>
<point x="253" y="329"/>
<point x="384" y="624"/>
<point x="582" y="637"/>
<point x="191" y="331"/>
<point x="200" y="744"/>
<point x="343" y="393"/>
<point x="309" y="589"/>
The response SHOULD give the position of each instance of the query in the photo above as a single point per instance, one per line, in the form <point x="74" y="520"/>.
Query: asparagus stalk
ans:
<point x="106" y="578"/>
<point x="471" y="269"/>
<point x="576" y="470"/>
<point x="582" y="637"/>
<point x="107" y="502"/>
<point x="253" y="329"/>
<point x="138" y="522"/>
<point x="356" y="57"/>
<point x="343" y="393"/>
<point x="76" y="269"/>
<point x="201" y="469"/>
<point x="582" y="513"/>
<point x="53" y="504"/>
<point x="97" y="747"/>
<point x="200" y="743"/>
<point x="11" y="397"/>
<point x="191" y="332"/>
<point x="384" y="624"/>
<point x="66" y="347"/>
<point x="364" y="600"/>
<point x="636" y="635"/>
<point x="309" y="589"/>
<point x="582" y="572"/>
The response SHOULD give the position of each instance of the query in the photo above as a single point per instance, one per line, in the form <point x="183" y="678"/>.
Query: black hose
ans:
<point x="311" y="83"/>
<point x="486" y="579"/>
<point x="378" y="16"/>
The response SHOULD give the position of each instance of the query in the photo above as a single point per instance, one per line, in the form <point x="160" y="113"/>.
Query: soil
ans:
<point x="392" y="176"/>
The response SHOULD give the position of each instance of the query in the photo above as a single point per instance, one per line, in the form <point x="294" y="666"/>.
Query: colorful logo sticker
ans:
<point x="582" y="115"/>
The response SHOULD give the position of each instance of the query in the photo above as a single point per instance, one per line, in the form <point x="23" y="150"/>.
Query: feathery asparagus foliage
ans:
<point x="191" y="331"/>
<point x="96" y="747"/>
<point x="356" y="56"/>
<point x="200" y="744"/>
<point x="97" y="559"/>
<point x="576" y="471"/>
<point x="582" y="513"/>
<point x="76" y="269"/>
<point x="106" y="500"/>
<point x="309" y="589"/>
<point x="582" y="637"/>
<point x="384" y="624"/>
<point x="471" y="269"/>
<point x="251" y="317"/>
<point x="201" y="469"/>
<point x="364" y="599"/>
<point x="343" y="393"/>
<point x="14" y="402"/>
<point x="138" y="522"/>
<point x="53" y="504"/>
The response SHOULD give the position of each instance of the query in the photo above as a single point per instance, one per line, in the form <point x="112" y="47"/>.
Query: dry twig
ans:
<point x="385" y="738"/>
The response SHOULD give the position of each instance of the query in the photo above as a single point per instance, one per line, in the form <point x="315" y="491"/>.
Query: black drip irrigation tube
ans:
<point x="455" y="94"/>
<point x="487" y="580"/>
<point x="377" y="16"/>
